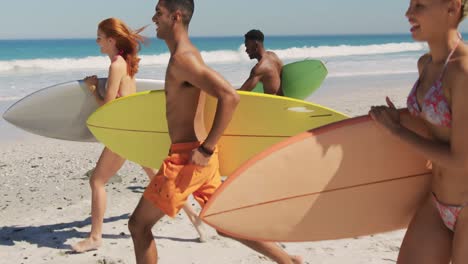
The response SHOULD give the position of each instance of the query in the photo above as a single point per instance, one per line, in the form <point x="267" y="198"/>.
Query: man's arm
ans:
<point x="201" y="76"/>
<point x="251" y="82"/>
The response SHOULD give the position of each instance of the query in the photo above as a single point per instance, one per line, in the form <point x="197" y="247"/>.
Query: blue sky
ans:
<point x="78" y="19"/>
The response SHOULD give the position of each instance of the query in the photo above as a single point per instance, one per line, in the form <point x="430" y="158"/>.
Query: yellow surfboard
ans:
<point x="135" y="127"/>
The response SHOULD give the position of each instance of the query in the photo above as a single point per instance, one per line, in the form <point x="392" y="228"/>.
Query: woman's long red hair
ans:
<point x="128" y="42"/>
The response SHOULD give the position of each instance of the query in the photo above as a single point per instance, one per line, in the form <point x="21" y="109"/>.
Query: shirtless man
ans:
<point x="269" y="66"/>
<point x="191" y="167"/>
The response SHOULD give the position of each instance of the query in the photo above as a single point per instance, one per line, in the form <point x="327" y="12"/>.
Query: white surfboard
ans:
<point x="60" y="111"/>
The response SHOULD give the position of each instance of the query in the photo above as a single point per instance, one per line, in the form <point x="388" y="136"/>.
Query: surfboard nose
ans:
<point x="10" y="115"/>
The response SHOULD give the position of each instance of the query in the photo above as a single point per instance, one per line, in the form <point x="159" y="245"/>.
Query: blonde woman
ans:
<point x="438" y="232"/>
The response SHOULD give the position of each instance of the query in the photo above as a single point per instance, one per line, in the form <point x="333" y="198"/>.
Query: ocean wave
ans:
<point x="369" y="66"/>
<point x="212" y="57"/>
<point x="345" y="50"/>
<point x="371" y="73"/>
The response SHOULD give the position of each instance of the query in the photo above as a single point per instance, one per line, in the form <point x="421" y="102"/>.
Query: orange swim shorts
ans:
<point x="176" y="180"/>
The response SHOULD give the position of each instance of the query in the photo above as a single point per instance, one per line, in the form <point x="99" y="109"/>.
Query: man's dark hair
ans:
<point x="255" y="34"/>
<point x="186" y="6"/>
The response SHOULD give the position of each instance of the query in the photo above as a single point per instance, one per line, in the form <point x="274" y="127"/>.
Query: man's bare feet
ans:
<point x="297" y="259"/>
<point x="87" y="245"/>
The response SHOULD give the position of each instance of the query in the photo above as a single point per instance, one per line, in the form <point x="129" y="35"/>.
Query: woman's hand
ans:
<point x="386" y="117"/>
<point x="91" y="82"/>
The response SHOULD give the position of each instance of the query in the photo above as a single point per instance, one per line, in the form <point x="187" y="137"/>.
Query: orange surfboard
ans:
<point x="342" y="180"/>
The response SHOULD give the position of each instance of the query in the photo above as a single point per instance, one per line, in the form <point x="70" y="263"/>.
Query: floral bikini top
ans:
<point x="435" y="108"/>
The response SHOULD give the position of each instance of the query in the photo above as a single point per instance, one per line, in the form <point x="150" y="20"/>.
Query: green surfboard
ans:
<point x="300" y="79"/>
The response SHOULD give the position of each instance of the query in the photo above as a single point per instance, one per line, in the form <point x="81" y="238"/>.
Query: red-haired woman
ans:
<point x="122" y="45"/>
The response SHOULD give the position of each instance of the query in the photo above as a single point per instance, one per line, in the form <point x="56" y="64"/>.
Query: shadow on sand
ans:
<point x="56" y="235"/>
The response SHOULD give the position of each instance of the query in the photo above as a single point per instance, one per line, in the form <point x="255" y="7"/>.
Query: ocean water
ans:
<point x="29" y="65"/>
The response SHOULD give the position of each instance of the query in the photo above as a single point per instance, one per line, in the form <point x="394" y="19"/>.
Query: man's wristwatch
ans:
<point x="205" y="151"/>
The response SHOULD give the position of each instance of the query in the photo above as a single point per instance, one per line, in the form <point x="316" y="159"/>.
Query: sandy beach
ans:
<point x="45" y="200"/>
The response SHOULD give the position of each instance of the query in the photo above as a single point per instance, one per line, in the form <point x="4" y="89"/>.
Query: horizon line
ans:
<point x="225" y="36"/>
